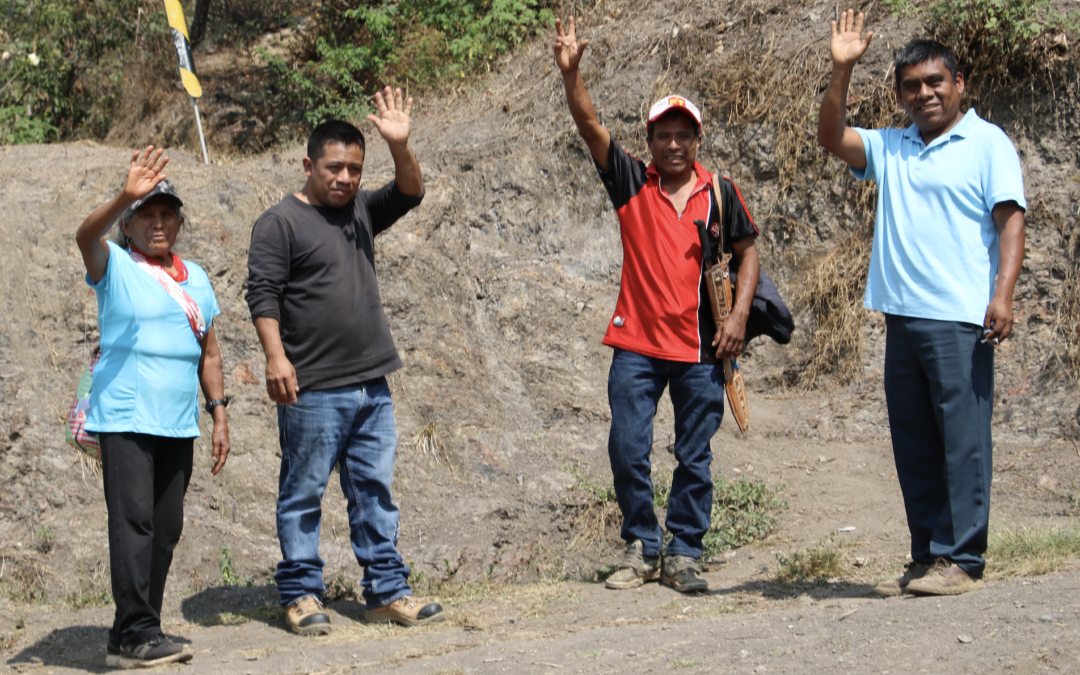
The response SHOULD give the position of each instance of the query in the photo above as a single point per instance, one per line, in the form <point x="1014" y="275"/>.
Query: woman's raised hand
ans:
<point x="145" y="172"/>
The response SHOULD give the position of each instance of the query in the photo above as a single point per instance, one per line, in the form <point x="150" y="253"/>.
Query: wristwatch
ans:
<point x="210" y="405"/>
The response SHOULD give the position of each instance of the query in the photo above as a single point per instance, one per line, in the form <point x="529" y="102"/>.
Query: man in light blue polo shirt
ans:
<point x="948" y="244"/>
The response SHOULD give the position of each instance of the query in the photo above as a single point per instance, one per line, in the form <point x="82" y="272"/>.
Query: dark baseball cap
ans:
<point x="163" y="188"/>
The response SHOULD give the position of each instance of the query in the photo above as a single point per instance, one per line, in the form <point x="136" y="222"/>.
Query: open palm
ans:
<point x="145" y="172"/>
<point x="848" y="42"/>
<point x="393" y="118"/>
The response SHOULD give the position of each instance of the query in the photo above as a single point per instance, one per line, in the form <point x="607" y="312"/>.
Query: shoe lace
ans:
<point x="308" y="603"/>
<point x="632" y="557"/>
<point x="682" y="563"/>
<point x="939" y="564"/>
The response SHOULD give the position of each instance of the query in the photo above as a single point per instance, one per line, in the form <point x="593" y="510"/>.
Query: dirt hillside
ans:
<point x="498" y="289"/>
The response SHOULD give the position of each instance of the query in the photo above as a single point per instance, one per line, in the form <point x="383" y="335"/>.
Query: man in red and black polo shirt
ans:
<point x="662" y="330"/>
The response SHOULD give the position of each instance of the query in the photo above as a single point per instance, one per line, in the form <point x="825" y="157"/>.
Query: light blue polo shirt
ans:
<point x="935" y="253"/>
<point x="147" y="380"/>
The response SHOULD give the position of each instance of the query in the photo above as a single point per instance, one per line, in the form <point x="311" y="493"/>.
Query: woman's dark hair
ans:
<point x="921" y="51"/>
<point x="332" y="131"/>
<point x="123" y="240"/>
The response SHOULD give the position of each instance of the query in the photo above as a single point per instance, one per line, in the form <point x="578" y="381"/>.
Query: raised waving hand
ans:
<point x="144" y="172"/>
<point x="848" y="42"/>
<point x="393" y="118"/>
<point x="568" y="50"/>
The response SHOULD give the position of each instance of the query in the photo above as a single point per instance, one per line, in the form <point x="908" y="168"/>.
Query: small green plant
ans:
<point x="601" y="494"/>
<point x="816" y="565"/>
<point x="1072" y="498"/>
<point x="679" y="664"/>
<point x="82" y="599"/>
<point x="743" y="511"/>
<point x="46" y="541"/>
<point x="228" y="576"/>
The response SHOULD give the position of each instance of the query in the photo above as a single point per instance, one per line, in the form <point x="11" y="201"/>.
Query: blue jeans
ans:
<point x="635" y="384"/>
<point x="939" y="389"/>
<point x="353" y="428"/>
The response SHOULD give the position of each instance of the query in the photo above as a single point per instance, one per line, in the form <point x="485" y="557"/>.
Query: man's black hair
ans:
<point x="674" y="111"/>
<point x="332" y="131"/>
<point x="921" y="51"/>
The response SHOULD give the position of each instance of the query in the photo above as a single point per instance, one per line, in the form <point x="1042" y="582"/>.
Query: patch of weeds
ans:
<point x="606" y="571"/>
<point x="1071" y="497"/>
<point x="228" y="575"/>
<point x="82" y="599"/>
<point x="46" y="542"/>
<point x="743" y="511"/>
<point x="661" y="487"/>
<point x="598" y="512"/>
<point x="816" y="565"/>
<point x="1024" y="551"/>
<point x="601" y="493"/>
<point x="340" y="587"/>
<point x="24" y="578"/>
<point x="679" y="664"/>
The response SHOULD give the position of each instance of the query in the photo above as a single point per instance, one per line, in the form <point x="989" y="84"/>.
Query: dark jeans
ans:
<point x="145" y="479"/>
<point x="352" y="428"/>
<point x="939" y="386"/>
<point x="635" y="384"/>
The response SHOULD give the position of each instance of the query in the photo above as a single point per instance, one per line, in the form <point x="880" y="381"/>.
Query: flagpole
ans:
<point x="198" y="123"/>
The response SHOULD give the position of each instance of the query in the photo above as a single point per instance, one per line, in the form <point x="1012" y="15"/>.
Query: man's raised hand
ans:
<point x="568" y="50"/>
<point x="848" y="42"/>
<point x="144" y="173"/>
<point x="393" y="118"/>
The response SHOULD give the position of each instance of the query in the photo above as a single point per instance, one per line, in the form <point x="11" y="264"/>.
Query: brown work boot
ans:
<point x="407" y="611"/>
<point x="306" y="617"/>
<point x="944" y="578"/>
<point x="913" y="570"/>
<point x="634" y="568"/>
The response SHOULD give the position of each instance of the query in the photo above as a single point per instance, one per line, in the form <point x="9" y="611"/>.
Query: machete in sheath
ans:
<point x="721" y="299"/>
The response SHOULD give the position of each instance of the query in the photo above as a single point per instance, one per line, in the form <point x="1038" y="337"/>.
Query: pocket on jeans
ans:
<point x="283" y="425"/>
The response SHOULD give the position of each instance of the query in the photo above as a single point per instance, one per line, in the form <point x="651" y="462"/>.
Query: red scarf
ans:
<point x="180" y="276"/>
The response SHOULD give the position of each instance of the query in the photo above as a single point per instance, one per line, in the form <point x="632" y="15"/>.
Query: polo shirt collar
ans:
<point x="703" y="176"/>
<point x="961" y="130"/>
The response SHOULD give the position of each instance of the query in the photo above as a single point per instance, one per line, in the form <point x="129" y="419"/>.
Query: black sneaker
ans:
<point x="153" y="652"/>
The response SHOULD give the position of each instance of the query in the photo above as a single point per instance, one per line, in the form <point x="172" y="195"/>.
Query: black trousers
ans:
<point x="145" y="480"/>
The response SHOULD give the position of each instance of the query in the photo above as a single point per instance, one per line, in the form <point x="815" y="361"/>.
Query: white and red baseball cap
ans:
<point x="669" y="103"/>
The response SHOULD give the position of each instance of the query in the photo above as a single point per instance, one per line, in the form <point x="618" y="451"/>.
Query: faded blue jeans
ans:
<point x="635" y="385"/>
<point x="353" y="428"/>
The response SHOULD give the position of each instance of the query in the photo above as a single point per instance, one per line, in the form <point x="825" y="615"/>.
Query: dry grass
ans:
<point x="1020" y="551"/>
<point x="24" y="576"/>
<point x="833" y="291"/>
<point x="1066" y="321"/>
<point x="816" y="565"/>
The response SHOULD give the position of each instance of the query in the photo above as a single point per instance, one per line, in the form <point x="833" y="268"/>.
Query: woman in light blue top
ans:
<point x="155" y="314"/>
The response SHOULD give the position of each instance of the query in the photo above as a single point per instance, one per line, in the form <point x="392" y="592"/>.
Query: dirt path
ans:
<point x="748" y="623"/>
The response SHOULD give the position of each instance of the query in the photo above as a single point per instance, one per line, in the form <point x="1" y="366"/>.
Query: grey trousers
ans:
<point x="939" y="387"/>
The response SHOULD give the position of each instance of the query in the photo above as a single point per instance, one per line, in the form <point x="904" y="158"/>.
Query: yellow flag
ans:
<point x="183" y="47"/>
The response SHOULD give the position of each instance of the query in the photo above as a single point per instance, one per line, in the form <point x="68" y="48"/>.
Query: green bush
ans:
<point x="67" y="62"/>
<point x="351" y="51"/>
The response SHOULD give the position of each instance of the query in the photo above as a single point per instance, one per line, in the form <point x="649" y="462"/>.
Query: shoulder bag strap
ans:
<point x="190" y="307"/>
<point x="719" y="212"/>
